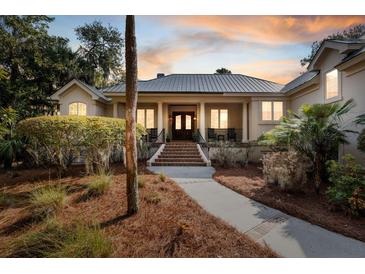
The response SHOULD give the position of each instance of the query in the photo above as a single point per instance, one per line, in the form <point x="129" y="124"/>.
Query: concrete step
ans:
<point x="179" y="160"/>
<point x="179" y="164"/>
<point x="181" y="156"/>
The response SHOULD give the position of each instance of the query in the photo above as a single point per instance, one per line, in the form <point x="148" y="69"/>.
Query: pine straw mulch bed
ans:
<point x="305" y="205"/>
<point x="173" y="227"/>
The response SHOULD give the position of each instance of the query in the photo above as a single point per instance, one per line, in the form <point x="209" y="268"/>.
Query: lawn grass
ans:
<point x="173" y="225"/>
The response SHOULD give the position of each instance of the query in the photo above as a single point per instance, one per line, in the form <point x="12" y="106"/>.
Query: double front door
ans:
<point x="182" y="125"/>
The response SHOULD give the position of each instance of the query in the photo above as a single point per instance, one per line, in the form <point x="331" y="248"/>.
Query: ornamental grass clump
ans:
<point x="56" y="240"/>
<point x="47" y="201"/>
<point x="162" y="177"/>
<point x="99" y="184"/>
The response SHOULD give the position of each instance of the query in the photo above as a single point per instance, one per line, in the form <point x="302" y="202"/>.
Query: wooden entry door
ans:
<point x="182" y="125"/>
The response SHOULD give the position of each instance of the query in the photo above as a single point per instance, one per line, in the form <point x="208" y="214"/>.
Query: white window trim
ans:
<point x="219" y="117"/>
<point x="339" y="86"/>
<point x="272" y="121"/>
<point x="78" y="112"/>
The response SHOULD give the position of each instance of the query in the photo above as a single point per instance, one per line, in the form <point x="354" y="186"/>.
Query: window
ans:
<point x="178" y="122"/>
<point x="77" y="108"/>
<point x="332" y="84"/>
<point x="272" y="111"/>
<point x="146" y="117"/>
<point x="187" y="121"/>
<point x="219" y="118"/>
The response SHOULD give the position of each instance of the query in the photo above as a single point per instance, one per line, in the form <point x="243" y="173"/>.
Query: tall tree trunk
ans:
<point x="131" y="105"/>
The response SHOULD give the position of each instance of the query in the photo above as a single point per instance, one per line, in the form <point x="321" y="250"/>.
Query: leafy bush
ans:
<point x="47" y="201"/>
<point x="59" y="140"/>
<point x="348" y="184"/>
<point x="227" y="156"/>
<point x="286" y="169"/>
<point x="59" y="241"/>
<point x="99" y="184"/>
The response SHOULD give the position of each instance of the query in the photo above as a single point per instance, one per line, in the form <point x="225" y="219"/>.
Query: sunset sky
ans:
<point x="268" y="47"/>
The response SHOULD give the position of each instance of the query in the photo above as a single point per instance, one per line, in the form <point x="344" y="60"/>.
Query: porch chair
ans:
<point x="231" y="134"/>
<point x="211" y="134"/>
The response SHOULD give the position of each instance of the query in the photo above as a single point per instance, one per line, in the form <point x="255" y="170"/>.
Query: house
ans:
<point x="230" y="106"/>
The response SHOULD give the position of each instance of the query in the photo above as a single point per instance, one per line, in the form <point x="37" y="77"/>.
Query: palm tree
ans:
<point x="316" y="132"/>
<point x="131" y="105"/>
<point x="11" y="144"/>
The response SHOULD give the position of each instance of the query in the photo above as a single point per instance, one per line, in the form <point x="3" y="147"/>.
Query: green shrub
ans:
<point x="59" y="241"/>
<point x="99" y="184"/>
<point x="162" y="177"/>
<point x="346" y="178"/>
<point x="47" y="201"/>
<point x="59" y="140"/>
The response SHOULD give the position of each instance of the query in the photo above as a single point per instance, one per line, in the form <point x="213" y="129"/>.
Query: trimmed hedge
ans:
<point x="59" y="140"/>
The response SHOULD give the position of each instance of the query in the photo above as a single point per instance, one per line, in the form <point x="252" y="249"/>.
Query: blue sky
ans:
<point x="268" y="47"/>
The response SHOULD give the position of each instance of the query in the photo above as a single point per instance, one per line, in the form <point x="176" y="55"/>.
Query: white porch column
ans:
<point x="202" y="119"/>
<point x="244" y="122"/>
<point x="159" y="117"/>
<point x="115" y="110"/>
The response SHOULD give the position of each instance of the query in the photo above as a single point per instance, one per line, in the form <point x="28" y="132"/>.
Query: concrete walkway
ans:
<point x="287" y="235"/>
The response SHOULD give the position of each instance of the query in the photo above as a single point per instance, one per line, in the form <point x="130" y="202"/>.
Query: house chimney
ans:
<point x="159" y="75"/>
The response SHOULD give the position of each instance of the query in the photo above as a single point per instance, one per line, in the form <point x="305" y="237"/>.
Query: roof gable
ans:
<point x="93" y="92"/>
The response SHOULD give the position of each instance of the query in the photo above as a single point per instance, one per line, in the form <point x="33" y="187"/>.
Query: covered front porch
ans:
<point x="182" y="120"/>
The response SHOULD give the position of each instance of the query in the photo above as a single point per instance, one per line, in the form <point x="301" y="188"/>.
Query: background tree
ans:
<point x="100" y="54"/>
<point x="131" y="105"/>
<point x="354" y="32"/>
<point x="223" y="71"/>
<point x="33" y="64"/>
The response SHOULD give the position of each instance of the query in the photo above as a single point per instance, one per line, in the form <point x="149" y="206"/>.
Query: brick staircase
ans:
<point x="179" y="154"/>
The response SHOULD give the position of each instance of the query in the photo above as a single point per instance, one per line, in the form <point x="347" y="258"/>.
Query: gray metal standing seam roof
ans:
<point x="94" y="90"/>
<point x="201" y="83"/>
<point x="302" y="79"/>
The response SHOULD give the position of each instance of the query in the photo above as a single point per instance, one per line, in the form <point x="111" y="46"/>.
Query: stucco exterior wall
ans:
<point x="351" y="86"/>
<point x="256" y="125"/>
<point x="76" y="94"/>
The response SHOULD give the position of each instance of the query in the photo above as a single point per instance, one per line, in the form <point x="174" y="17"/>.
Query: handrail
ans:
<point x="203" y="144"/>
<point x="154" y="146"/>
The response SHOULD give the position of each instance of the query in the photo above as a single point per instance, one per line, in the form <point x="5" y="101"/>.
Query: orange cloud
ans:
<point x="159" y="58"/>
<point x="269" y="29"/>
<point x="280" y="71"/>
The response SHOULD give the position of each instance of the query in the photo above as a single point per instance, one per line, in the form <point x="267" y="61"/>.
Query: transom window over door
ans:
<point x="219" y="118"/>
<point x="146" y="117"/>
<point x="77" y="108"/>
<point x="272" y="110"/>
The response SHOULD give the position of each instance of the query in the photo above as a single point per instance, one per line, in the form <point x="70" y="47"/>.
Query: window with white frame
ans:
<point x="77" y="108"/>
<point x="146" y="117"/>
<point x="332" y="89"/>
<point x="272" y="110"/>
<point x="219" y="118"/>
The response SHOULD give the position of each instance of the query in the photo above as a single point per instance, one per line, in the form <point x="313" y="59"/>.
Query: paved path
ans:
<point x="287" y="235"/>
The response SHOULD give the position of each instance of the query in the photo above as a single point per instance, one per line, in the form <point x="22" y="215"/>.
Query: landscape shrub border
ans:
<point x="60" y="140"/>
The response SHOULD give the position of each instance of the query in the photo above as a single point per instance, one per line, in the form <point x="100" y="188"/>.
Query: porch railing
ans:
<point x="227" y="134"/>
<point x="155" y="145"/>
<point x="203" y="144"/>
